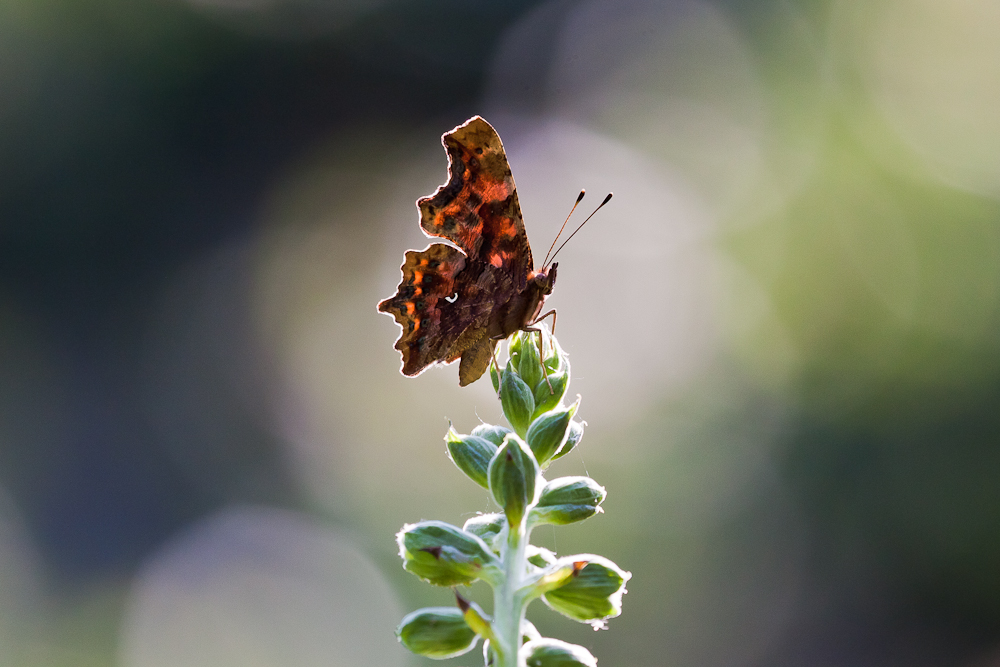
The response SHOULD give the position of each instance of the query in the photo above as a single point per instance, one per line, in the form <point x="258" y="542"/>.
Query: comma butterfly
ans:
<point x="459" y="302"/>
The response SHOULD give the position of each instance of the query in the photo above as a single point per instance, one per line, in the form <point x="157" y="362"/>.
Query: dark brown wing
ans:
<point x="477" y="208"/>
<point x="442" y="305"/>
<point x="445" y="299"/>
<point x="428" y="279"/>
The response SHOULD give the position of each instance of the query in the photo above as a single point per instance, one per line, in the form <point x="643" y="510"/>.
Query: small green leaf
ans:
<point x="445" y="555"/>
<point x="471" y="454"/>
<point x="436" y="632"/>
<point x="548" y="652"/>
<point x="573" y="439"/>
<point x="517" y="402"/>
<point x="568" y="500"/>
<point x="486" y="527"/>
<point x="594" y="593"/>
<point x="494" y="434"/>
<point x="513" y="478"/>
<point x="539" y="556"/>
<point x="548" y="433"/>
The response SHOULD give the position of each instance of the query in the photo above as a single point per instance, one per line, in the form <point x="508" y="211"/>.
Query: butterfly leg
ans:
<point x="553" y="314"/>
<point x="539" y="319"/>
<point x="545" y="371"/>
<point x="541" y="353"/>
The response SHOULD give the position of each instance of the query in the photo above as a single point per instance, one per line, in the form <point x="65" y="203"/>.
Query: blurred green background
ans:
<point x="784" y="327"/>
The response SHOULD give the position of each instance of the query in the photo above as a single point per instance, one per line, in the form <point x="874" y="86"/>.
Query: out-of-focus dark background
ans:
<point x="784" y="327"/>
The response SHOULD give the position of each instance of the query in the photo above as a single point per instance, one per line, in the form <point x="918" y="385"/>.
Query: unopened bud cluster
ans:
<point x="495" y="548"/>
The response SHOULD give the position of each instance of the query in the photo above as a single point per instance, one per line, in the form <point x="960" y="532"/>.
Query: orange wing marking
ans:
<point x="507" y="230"/>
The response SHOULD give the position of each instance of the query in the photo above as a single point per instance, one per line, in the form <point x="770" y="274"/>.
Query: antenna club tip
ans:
<point x="579" y="198"/>
<point x="608" y="198"/>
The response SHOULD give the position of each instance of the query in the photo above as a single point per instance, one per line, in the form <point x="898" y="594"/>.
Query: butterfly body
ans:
<point x="457" y="302"/>
<point x="524" y="309"/>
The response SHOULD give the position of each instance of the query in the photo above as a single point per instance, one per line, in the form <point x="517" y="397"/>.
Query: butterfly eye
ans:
<point x="452" y="299"/>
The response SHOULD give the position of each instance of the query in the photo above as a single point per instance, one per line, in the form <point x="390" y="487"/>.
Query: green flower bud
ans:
<point x="529" y="632"/>
<point x="554" y="653"/>
<point x="486" y="527"/>
<point x="539" y="556"/>
<point x="494" y="434"/>
<point x="475" y="617"/>
<point x="554" y="576"/>
<point x="548" y="433"/>
<point x="545" y="398"/>
<point x="573" y="439"/>
<point x="495" y="377"/>
<point x="517" y="402"/>
<point x="436" y="632"/>
<point x="513" y="477"/>
<point x="594" y="593"/>
<point x="444" y="555"/>
<point x="471" y="454"/>
<point x="516" y="344"/>
<point x="529" y="365"/>
<point x="568" y="500"/>
<point x="556" y="360"/>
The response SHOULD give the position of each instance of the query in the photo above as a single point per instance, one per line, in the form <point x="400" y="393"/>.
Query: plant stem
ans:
<point x="508" y="604"/>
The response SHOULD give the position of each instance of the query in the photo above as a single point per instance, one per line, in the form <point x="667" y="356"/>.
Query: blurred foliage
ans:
<point x="201" y="201"/>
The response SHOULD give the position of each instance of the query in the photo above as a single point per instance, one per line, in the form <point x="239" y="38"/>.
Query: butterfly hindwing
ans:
<point x="429" y="278"/>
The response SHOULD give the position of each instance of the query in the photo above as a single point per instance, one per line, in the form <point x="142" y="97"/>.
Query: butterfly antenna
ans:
<point x="606" y="200"/>
<point x="545" y="262"/>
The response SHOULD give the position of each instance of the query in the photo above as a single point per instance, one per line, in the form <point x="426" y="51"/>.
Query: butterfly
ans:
<point x="459" y="302"/>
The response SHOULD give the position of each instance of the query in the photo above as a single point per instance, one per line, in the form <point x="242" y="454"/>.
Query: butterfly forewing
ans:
<point x="477" y="208"/>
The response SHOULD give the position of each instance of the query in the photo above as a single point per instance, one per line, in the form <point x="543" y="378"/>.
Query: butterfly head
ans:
<point x="545" y="278"/>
